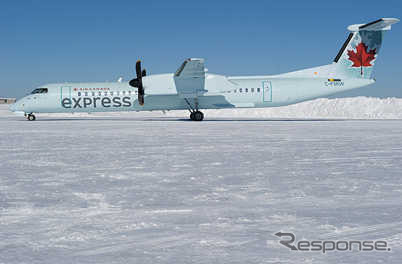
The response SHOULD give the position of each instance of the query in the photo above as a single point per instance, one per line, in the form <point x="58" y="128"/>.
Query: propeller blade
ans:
<point x="141" y="99"/>
<point x="138" y="69"/>
<point x="139" y="82"/>
<point x="144" y="73"/>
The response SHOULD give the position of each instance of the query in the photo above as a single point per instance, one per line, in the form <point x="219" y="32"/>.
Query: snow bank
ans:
<point x="349" y="108"/>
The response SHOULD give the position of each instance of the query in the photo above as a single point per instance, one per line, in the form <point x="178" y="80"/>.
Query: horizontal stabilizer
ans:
<point x="380" y="24"/>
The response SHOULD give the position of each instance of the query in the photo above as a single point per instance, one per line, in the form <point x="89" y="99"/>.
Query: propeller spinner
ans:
<point x="137" y="82"/>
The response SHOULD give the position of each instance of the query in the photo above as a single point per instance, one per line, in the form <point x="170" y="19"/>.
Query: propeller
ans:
<point x="137" y="82"/>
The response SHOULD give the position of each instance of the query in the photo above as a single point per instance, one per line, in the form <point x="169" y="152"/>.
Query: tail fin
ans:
<point x="358" y="54"/>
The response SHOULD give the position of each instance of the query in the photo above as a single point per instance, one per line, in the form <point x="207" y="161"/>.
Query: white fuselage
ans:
<point x="161" y="94"/>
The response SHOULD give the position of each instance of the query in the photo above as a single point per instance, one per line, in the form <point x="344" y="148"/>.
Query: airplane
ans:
<point x="192" y="87"/>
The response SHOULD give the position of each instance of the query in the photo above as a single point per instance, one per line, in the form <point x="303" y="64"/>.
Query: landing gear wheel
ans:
<point x="192" y="116"/>
<point x="197" y="116"/>
<point x="31" y="117"/>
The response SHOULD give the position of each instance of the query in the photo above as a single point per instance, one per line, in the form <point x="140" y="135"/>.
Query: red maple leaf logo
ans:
<point x="361" y="58"/>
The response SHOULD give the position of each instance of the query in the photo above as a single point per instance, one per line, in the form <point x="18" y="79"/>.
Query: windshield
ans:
<point x="39" y="90"/>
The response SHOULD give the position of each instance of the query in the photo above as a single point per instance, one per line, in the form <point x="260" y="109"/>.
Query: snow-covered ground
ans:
<point x="154" y="188"/>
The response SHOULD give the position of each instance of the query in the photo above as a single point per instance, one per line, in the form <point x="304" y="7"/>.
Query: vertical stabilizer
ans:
<point x="356" y="58"/>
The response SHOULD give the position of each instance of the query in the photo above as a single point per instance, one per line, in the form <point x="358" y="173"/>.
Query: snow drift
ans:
<point x="351" y="108"/>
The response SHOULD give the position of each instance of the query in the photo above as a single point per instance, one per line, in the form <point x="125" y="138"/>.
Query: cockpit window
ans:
<point x="39" y="90"/>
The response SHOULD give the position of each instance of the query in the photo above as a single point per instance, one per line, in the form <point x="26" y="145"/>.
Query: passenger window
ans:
<point x="246" y="90"/>
<point x="79" y="93"/>
<point x="258" y="90"/>
<point x="117" y="93"/>
<point x="240" y="90"/>
<point x="86" y="93"/>
<point x="105" y="93"/>
<point x="93" y="93"/>
<point x="129" y="92"/>
<point x="234" y="90"/>
<point x="111" y="93"/>
<point x="100" y="93"/>
<point x="252" y="90"/>
<point x="124" y="92"/>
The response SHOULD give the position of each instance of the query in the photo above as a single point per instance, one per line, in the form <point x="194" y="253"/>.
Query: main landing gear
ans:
<point x="195" y="114"/>
<point x="30" y="117"/>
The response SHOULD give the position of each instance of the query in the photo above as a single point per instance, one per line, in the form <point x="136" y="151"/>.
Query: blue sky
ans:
<point x="56" y="41"/>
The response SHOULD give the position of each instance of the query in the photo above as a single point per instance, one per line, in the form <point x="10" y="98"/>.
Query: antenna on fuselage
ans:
<point x="120" y="79"/>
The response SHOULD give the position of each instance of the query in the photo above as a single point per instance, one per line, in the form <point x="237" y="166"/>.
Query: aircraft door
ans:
<point x="267" y="91"/>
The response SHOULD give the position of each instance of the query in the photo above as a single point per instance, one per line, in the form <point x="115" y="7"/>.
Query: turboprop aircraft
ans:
<point x="192" y="88"/>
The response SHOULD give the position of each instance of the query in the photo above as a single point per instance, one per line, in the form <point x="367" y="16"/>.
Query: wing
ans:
<point x="190" y="78"/>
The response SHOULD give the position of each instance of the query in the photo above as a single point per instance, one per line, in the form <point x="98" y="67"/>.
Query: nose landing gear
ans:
<point x="30" y="117"/>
